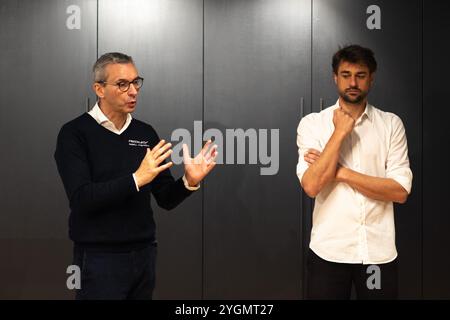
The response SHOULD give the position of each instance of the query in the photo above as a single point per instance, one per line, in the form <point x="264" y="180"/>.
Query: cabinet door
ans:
<point x="165" y="40"/>
<point x="45" y="64"/>
<point x="397" y="89"/>
<point x="436" y="139"/>
<point x="257" y="71"/>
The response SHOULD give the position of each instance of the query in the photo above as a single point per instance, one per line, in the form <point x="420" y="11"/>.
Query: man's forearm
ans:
<point x="323" y="171"/>
<point x="383" y="189"/>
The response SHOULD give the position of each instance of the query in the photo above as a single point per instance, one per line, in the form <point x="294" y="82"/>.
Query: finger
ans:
<point x="159" y="145"/>
<point x="161" y="150"/>
<point x="308" y="160"/>
<point x="310" y="157"/>
<point x="212" y="158"/>
<point x="341" y="111"/>
<point x="186" y="155"/>
<point x="314" y="151"/>
<point x="211" y="152"/>
<point x="164" y="167"/>
<point x="163" y="157"/>
<point x="345" y="112"/>
<point x="215" y="153"/>
<point x="210" y="167"/>
<point x="206" y="146"/>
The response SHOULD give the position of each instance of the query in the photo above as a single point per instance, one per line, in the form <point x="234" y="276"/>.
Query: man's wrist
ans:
<point x="189" y="184"/>
<point x="341" y="174"/>
<point x="138" y="180"/>
<point x="339" y="135"/>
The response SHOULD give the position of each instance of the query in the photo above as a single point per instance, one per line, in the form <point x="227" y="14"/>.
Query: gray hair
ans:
<point x="104" y="60"/>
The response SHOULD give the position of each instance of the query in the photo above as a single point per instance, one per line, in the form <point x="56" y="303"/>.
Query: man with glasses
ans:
<point x="109" y="164"/>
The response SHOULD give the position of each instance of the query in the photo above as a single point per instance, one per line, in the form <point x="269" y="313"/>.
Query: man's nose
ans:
<point x="353" y="81"/>
<point x="132" y="90"/>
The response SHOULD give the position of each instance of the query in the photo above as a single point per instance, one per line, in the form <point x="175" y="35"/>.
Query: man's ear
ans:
<point x="335" y="78"/>
<point x="372" y="78"/>
<point x="99" y="90"/>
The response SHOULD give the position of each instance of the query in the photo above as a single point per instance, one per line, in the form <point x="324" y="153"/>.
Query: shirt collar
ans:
<point x="368" y="111"/>
<point x="102" y="119"/>
<point x="98" y="115"/>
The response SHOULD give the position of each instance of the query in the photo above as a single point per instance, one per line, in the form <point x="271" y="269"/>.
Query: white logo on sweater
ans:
<point x="138" y="143"/>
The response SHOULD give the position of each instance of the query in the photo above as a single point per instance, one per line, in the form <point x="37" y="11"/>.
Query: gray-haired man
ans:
<point x="109" y="163"/>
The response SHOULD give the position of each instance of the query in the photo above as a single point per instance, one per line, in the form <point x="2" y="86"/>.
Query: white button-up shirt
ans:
<point x="349" y="227"/>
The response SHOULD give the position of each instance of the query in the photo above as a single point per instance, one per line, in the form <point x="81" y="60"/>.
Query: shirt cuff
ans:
<point x="405" y="182"/>
<point x="135" y="182"/>
<point x="187" y="186"/>
<point x="301" y="169"/>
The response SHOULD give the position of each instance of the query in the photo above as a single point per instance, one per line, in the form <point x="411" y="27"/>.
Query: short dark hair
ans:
<point x="354" y="54"/>
<point x="108" y="58"/>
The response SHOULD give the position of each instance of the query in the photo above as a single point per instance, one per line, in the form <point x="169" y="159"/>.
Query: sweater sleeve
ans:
<point x="167" y="191"/>
<point x="73" y="167"/>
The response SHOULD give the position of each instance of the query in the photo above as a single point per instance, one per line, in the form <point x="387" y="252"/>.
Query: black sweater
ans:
<point x="96" y="167"/>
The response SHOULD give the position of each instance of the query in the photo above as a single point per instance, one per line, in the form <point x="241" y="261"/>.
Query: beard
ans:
<point x="353" y="99"/>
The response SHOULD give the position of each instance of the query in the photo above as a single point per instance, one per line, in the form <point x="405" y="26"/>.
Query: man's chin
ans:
<point x="130" y="107"/>
<point x="352" y="100"/>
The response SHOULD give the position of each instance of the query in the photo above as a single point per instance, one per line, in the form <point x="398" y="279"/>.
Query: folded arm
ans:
<point x="323" y="170"/>
<point x="383" y="189"/>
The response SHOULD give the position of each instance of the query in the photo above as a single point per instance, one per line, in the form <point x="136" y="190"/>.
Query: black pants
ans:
<point x="116" y="275"/>
<point x="330" y="280"/>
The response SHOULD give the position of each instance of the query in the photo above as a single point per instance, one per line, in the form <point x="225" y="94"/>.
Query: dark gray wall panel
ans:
<point x="165" y="40"/>
<point x="397" y="89"/>
<point x="257" y="70"/>
<point x="45" y="75"/>
<point x="436" y="139"/>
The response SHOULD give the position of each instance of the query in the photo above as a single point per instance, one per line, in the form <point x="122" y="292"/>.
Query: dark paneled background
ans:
<point x="259" y="64"/>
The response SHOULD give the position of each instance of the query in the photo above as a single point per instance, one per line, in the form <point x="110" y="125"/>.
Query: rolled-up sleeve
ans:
<point x="397" y="163"/>
<point x="306" y="139"/>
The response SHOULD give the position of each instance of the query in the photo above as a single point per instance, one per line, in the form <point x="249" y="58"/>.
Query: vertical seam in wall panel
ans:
<point x="96" y="40"/>
<point x="421" y="51"/>
<point x="203" y="129"/>
<point x="305" y="215"/>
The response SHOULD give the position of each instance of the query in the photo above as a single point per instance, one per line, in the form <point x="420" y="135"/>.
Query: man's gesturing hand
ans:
<point x="197" y="168"/>
<point x="150" y="165"/>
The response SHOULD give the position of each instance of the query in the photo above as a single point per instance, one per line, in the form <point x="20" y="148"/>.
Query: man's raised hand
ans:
<point x="197" y="168"/>
<point x="151" y="166"/>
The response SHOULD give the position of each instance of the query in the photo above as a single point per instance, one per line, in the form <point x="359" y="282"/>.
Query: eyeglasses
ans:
<point x="124" y="85"/>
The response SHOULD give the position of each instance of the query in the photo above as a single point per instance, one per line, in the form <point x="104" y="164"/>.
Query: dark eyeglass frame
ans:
<point x="124" y="85"/>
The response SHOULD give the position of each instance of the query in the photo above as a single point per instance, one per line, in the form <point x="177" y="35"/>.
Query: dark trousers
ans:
<point x="116" y="275"/>
<point x="330" y="280"/>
